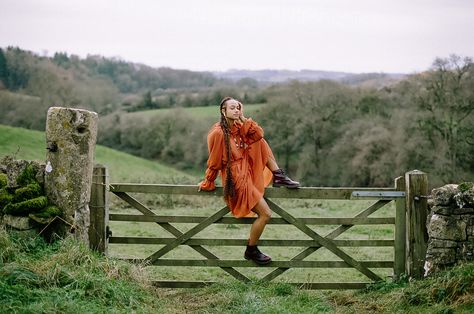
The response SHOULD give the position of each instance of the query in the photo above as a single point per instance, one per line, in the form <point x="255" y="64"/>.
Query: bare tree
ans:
<point x="446" y="98"/>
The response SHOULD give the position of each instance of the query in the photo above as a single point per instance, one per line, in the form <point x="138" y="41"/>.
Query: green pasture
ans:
<point x="22" y="143"/>
<point x="197" y="112"/>
<point x="31" y="145"/>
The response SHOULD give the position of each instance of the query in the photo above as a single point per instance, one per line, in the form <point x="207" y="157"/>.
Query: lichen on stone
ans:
<point x="465" y="196"/>
<point x="444" y="196"/>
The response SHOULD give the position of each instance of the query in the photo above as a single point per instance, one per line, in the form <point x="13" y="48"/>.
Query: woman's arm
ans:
<point x="215" y="144"/>
<point x="250" y="131"/>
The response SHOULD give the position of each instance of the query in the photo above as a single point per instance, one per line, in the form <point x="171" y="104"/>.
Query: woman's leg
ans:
<point x="264" y="214"/>
<point x="252" y="252"/>
<point x="279" y="177"/>
<point x="272" y="164"/>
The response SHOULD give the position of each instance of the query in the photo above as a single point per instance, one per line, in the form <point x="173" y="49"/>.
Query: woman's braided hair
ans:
<point x="229" y="187"/>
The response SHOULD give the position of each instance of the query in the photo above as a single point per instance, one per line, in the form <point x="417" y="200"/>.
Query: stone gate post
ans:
<point x="71" y="137"/>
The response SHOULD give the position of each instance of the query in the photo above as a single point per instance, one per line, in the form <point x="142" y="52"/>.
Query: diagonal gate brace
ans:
<point x="187" y="235"/>
<point x="174" y="231"/>
<point x="332" y="235"/>
<point x="327" y="243"/>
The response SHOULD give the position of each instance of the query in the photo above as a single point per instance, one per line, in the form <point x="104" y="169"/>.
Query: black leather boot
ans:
<point x="253" y="253"/>
<point x="281" y="179"/>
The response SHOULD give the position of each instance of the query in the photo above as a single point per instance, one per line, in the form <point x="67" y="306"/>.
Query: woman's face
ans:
<point x="232" y="109"/>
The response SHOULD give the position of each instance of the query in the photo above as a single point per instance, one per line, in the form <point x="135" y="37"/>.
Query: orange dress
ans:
<point x="249" y="155"/>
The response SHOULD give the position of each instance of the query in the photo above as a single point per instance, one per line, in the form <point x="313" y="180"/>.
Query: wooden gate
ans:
<point x="409" y="242"/>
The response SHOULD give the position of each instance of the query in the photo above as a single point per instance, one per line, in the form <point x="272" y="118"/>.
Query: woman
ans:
<point x="238" y="150"/>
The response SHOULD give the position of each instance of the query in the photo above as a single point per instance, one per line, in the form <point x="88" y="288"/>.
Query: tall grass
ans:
<point x="451" y="291"/>
<point x="66" y="277"/>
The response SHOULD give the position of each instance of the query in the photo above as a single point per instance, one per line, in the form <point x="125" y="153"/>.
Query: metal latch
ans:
<point x="378" y="194"/>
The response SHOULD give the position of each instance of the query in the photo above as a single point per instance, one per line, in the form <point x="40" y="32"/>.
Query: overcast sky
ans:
<point x="335" y="35"/>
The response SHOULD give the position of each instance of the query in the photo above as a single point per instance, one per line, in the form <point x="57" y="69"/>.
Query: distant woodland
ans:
<point x="340" y="130"/>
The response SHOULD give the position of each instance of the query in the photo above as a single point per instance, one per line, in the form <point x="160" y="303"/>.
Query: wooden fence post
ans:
<point x="99" y="210"/>
<point x="400" y="231"/>
<point x="417" y="213"/>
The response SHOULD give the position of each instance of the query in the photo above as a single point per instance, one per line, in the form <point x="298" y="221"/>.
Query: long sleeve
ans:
<point x="215" y="143"/>
<point x="251" y="132"/>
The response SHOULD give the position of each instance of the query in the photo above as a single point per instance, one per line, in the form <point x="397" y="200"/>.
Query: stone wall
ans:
<point x="450" y="227"/>
<point x="13" y="191"/>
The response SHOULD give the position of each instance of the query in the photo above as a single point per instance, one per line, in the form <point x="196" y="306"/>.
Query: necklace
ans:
<point x="241" y="145"/>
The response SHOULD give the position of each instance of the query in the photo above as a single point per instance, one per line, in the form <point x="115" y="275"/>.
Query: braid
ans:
<point x="229" y="187"/>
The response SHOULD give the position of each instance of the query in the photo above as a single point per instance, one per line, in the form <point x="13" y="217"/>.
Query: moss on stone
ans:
<point x="27" y="176"/>
<point x="28" y="198"/>
<point x="30" y="191"/>
<point x="465" y="186"/>
<point x="5" y="198"/>
<point x="3" y="180"/>
<point x="50" y="211"/>
<point x="25" y="207"/>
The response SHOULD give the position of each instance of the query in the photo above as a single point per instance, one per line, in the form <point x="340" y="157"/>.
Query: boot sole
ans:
<point x="259" y="263"/>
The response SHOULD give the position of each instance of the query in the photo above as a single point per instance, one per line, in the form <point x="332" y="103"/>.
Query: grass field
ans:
<point x="197" y="112"/>
<point x="31" y="145"/>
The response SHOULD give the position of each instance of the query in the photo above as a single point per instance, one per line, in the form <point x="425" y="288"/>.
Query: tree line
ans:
<point x="105" y="84"/>
<point x="323" y="133"/>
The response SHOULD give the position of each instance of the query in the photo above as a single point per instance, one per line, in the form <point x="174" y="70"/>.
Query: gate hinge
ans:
<point x="108" y="232"/>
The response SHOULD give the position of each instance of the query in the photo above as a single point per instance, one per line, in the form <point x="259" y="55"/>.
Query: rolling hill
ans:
<point x="30" y="145"/>
<point x="281" y="76"/>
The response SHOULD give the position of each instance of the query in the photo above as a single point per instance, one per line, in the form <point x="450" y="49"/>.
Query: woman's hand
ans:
<point x="206" y="186"/>
<point x="242" y="118"/>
